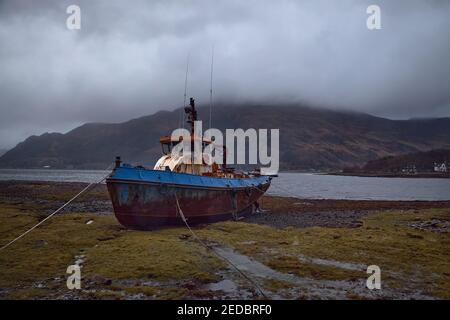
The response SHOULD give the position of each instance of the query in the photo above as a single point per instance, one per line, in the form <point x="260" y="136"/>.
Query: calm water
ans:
<point x="302" y="185"/>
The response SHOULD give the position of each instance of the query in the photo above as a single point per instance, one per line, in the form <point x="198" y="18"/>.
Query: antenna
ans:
<point x="185" y="91"/>
<point x="211" y="87"/>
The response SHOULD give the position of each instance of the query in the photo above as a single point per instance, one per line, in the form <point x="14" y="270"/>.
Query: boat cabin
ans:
<point x="181" y="164"/>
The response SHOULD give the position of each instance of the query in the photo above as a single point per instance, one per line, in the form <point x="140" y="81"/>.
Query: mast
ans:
<point x="211" y="87"/>
<point x="185" y="90"/>
<point x="192" y="114"/>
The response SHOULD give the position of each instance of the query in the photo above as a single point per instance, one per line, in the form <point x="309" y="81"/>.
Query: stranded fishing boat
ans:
<point x="174" y="190"/>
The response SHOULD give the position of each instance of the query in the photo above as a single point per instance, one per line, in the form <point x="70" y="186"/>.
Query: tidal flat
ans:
<point x="293" y="249"/>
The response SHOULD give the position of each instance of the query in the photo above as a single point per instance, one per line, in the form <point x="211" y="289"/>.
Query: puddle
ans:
<point x="79" y="260"/>
<point x="230" y="289"/>
<point x="226" y="285"/>
<point x="334" y="263"/>
<point x="302" y="204"/>
<point x="253" y="267"/>
<point x="308" y="287"/>
<point x="248" y="242"/>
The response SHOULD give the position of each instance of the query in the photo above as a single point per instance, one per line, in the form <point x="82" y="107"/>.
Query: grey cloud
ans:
<point x="129" y="58"/>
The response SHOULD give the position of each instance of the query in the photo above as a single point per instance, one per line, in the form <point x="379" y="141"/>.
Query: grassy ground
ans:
<point x="110" y="252"/>
<point x="311" y="262"/>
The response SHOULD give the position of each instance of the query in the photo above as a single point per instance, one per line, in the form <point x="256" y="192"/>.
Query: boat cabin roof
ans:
<point x="170" y="140"/>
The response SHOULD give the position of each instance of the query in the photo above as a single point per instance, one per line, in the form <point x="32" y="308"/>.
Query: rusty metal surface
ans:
<point x="147" y="206"/>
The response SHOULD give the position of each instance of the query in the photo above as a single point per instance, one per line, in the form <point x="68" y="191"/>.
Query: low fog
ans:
<point x="129" y="58"/>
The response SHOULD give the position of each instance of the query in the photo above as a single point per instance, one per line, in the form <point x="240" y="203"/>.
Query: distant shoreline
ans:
<point x="391" y="175"/>
<point x="332" y="173"/>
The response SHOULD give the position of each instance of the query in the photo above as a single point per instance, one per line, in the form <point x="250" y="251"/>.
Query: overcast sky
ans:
<point x="129" y="58"/>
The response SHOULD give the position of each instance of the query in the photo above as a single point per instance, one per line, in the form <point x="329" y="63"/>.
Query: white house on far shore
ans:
<point x="442" y="167"/>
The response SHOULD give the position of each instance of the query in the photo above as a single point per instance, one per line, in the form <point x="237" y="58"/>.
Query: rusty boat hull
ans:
<point x="147" y="199"/>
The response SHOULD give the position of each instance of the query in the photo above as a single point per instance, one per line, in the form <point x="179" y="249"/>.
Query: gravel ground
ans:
<point x="332" y="219"/>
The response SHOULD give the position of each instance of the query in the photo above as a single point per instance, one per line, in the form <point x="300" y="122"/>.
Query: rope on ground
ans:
<point x="58" y="210"/>
<point x="215" y="252"/>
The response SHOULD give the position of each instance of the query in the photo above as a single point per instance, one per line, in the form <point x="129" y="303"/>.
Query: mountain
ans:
<point x="3" y="151"/>
<point x="310" y="138"/>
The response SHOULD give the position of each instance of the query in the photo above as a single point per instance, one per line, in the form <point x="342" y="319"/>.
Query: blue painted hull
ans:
<point x="146" y="199"/>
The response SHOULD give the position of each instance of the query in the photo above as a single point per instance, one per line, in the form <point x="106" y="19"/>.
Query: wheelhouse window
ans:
<point x="165" y="148"/>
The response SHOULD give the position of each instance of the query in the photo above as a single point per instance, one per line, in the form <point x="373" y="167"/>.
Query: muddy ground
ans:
<point x="293" y="249"/>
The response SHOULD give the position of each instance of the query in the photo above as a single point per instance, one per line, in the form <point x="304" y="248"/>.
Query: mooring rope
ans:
<point x="215" y="252"/>
<point x="58" y="210"/>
